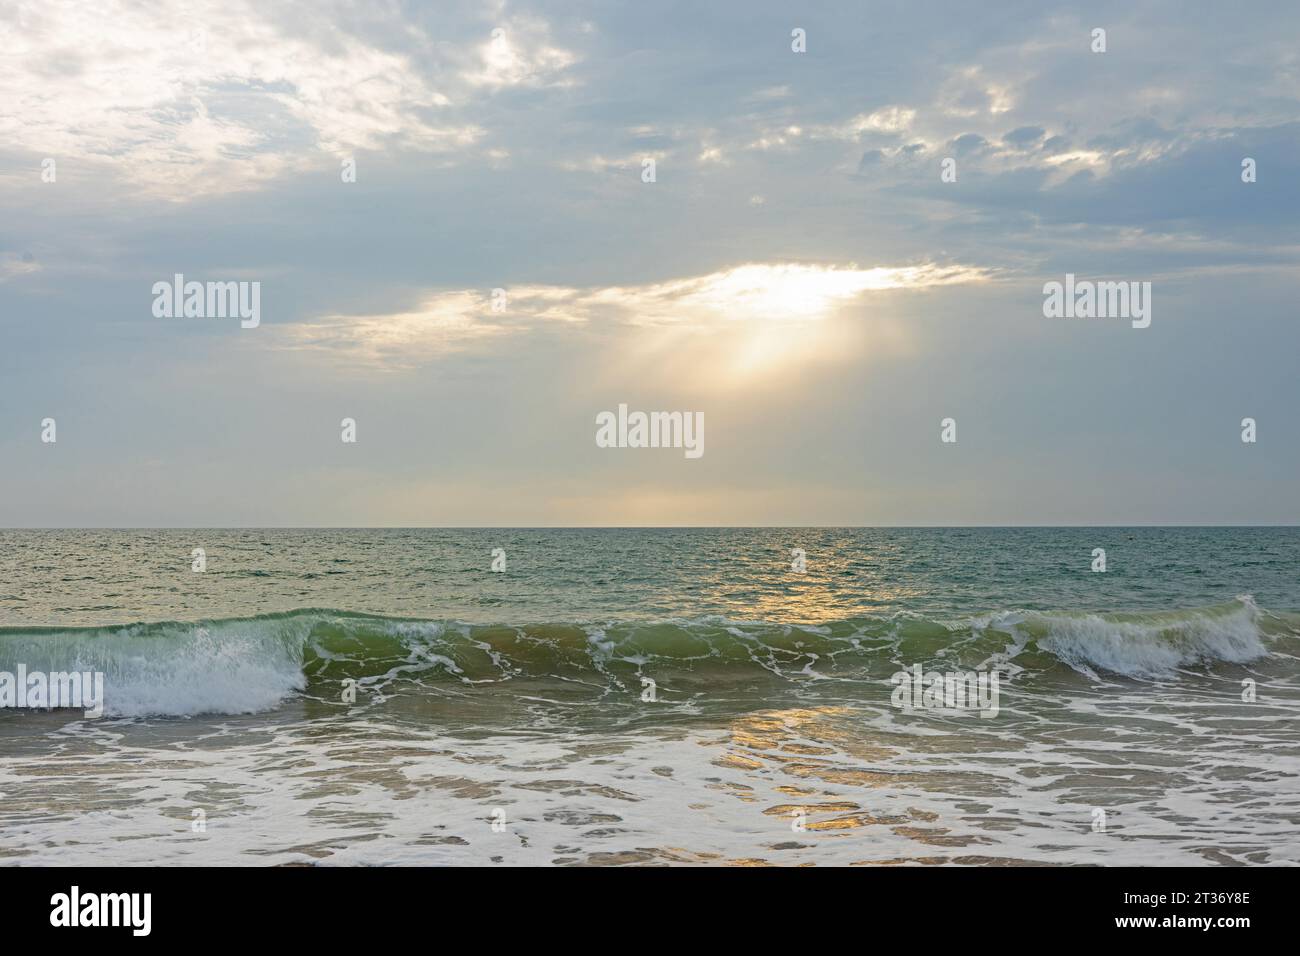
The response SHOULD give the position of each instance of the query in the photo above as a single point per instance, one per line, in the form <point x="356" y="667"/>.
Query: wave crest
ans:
<point x="249" y="665"/>
<point x="1145" y="645"/>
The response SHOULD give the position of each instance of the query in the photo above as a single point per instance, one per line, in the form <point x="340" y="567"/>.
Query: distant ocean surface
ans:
<point x="653" y="696"/>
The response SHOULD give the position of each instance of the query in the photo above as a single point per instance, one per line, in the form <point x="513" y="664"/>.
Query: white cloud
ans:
<point x="605" y="164"/>
<point x="520" y="54"/>
<point x="12" y="266"/>
<point x="444" y="323"/>
<point x="186" y="98"/>
<point x="969" y="92"/>
<point x="754" y="294"/>
<point x="763" y="292"/>
<point x="890" y="119"/>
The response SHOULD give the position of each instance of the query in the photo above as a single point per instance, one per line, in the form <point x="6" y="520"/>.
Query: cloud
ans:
<point x="890" y="119"/>
<point x="521" y="54"/>
<point x="12" y="266"/>
<point x="188" y="99"/>
<point x="605" y="164"/>
<point x="970" y="92"/>
<point x="1024" y="136"/>
<point x="751" y="294"/>
<point x="968" y="143"/>
<point x="766" y="292"/>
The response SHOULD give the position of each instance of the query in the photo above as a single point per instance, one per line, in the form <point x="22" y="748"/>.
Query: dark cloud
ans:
<point x="1024" y="137"/>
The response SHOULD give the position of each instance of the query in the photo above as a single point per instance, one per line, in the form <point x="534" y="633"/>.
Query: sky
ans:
<point x="798" y="270"/>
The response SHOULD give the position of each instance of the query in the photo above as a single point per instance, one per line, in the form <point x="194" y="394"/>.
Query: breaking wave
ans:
<point x="254" y="664"/>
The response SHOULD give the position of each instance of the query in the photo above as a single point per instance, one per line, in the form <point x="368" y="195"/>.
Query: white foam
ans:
<point x="233" y="667"/>
<point x="1155" y="646"/>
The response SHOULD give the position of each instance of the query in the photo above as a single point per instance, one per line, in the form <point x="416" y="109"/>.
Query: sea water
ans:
<point x="654" y="696"/>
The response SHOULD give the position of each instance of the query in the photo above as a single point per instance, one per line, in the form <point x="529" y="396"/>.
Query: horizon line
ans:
<point x="773" y="527"/>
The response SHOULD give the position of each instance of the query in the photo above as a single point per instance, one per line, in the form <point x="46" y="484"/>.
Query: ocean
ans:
<point x="640" y="696"/>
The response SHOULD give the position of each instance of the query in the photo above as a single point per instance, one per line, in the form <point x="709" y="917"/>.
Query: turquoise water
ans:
<point x="677" y="695"/>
